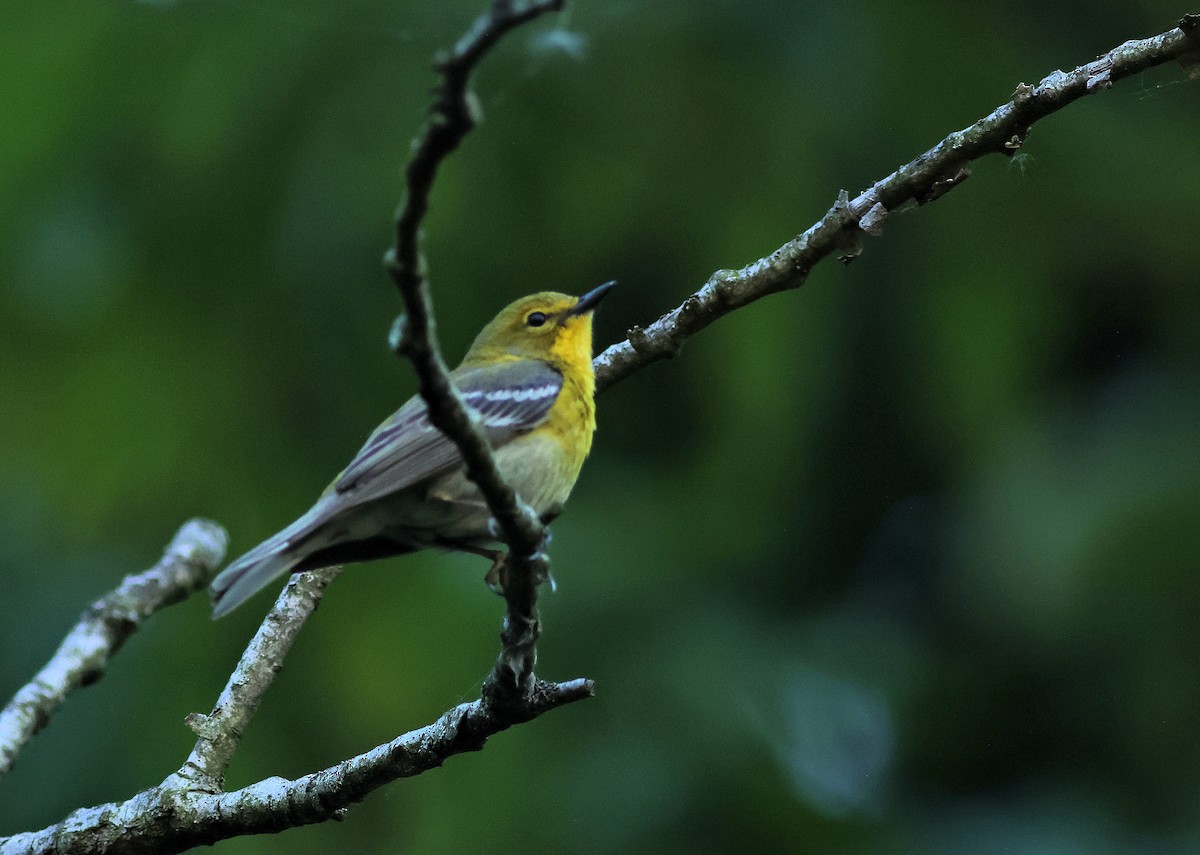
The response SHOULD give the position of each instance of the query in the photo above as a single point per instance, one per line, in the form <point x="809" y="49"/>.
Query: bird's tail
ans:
<point x="275" y="556"/>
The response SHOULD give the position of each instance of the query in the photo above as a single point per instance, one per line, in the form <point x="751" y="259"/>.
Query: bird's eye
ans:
<point x="535" y="319"/>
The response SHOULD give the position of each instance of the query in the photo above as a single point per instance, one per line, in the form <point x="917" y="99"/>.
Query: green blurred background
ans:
<point x="902" y="562"/>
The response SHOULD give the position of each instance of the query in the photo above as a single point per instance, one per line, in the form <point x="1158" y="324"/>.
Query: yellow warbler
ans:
<point x="529" y="377"/>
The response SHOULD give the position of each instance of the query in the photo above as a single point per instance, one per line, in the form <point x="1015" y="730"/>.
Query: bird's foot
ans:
<point x="497" y="575"/>
<point x="493" y="528"/>
<point x="553" y="513"/>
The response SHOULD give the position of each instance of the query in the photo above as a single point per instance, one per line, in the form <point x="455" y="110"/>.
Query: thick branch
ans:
<point x="188" y="563"/>
<point x="924" y="179"/>
<point x="187" y="817"/>
<point x="324" y="794"/>
<point x="453" y="115"/>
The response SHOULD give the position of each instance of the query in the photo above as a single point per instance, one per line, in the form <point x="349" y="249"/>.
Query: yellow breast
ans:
<point x="572" y="422"/>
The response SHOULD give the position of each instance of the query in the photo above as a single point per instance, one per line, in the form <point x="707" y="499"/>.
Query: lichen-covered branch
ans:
<point x="220" y="731"/>
<point x="188" y="563"/>
<point x="924" y="179"/>
<point x="189" y="807"/>
<point x="322" y="795"/>
<point x="175" y="816"/>
<point x="452" y="117"/>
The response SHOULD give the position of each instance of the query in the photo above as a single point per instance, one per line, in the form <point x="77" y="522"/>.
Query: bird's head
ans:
<point x="552" y="327"/>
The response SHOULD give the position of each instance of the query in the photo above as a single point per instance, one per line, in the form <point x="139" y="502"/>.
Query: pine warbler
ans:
<point x="529" y="377"/>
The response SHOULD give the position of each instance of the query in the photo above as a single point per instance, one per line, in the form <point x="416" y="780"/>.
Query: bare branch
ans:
<point x="187" y="818"/>
<point x="924" y="179"/>
<point x="222" y="729"/>
<point x="188" y="563"/>
<point x="324" y="794"/>
<point x="453" y="115"/>
<point x="189" y="808"/>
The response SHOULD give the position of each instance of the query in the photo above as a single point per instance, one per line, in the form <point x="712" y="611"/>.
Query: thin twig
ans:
<point x="453" y="115"/>
<point x="188" y="563"/>
<point x="924" y="179"/>
<point x="222" y="729"/>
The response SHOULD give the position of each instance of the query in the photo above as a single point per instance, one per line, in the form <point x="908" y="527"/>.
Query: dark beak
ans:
<point x="591" y="299"/>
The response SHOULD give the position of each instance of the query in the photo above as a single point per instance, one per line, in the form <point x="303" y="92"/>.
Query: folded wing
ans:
<point x="406" y="450"/>
<point x="510" y="398"/>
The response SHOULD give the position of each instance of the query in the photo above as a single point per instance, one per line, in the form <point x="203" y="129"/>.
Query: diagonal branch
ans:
<point x="188" y="563"/>
<point x="924" y="179"/>
<point x="220" y="731"/>
<point x="325" y="794"/>
<point x="453" y="115"/>
<point x="189" y="817"/>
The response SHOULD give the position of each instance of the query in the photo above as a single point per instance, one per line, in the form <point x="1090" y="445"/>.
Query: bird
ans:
<point x="528" y="375"/>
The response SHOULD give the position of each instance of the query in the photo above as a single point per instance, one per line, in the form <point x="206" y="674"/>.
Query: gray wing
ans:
<point x="511" y="398"/>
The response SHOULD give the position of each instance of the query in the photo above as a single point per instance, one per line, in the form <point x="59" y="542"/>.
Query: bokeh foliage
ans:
<point x="902" y="562"/>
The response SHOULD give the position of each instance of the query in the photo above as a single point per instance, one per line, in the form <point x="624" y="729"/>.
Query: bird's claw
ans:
<point x="493" y="530"/>
<point x="497" y="575"/>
